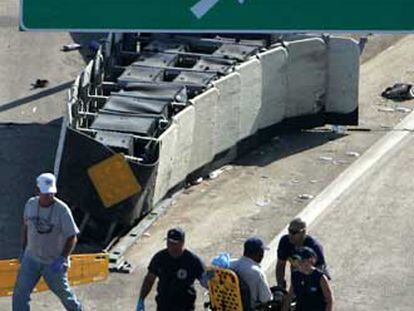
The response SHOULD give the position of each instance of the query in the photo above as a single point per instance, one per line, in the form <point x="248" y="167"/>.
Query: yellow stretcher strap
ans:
<point x="224" y="291"/>
<point x="84" y="268"/>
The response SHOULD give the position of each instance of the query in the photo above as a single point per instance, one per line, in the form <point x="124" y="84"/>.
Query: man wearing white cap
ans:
<point x="49" y="237"/>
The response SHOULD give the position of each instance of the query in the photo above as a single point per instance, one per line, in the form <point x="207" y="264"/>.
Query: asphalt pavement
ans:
<point x="367" y="235"/>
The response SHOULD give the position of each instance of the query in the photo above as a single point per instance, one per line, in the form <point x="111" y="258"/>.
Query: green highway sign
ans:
<point x="217" y="15"/>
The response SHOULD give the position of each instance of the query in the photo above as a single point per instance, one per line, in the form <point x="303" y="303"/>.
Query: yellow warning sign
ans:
<point x="84" y="268"/>
<point x="114" y="180"/>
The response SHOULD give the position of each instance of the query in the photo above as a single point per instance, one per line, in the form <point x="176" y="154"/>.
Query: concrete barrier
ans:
<point x="226" y="129"/>
<point x="250" y="97"/>
<point x="274" y="86"/>
<point x="307" y="73"/>
<point x="205" y="106"/>
<point x="167" y="141"/>
<point x="185" y="121"/>
<point x="343" y="75"/>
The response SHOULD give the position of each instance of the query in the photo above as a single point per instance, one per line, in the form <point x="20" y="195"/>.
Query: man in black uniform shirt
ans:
<point x="176" y="269"/>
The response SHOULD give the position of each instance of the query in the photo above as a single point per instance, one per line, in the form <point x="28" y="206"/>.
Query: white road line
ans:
<point x="202" y="7"/>
<point x="343" y="182"/>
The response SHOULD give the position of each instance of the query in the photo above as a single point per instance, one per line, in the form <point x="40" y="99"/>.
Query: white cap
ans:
<point x="46" y="183"/>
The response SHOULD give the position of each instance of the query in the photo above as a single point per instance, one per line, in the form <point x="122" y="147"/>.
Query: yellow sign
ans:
<point x="114" y="180"/>
<point x="84" y="268"/>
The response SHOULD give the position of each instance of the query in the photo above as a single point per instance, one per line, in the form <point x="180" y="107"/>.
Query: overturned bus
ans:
<point x="152" y="111"/>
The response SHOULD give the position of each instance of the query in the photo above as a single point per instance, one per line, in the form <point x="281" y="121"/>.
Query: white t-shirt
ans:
<point x="47" y="229"/>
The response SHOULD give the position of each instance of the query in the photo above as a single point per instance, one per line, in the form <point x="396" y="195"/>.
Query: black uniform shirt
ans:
<point x="176" y="279"/>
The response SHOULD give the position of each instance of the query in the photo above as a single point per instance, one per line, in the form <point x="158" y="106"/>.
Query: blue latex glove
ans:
<point x="140" y="305"/>
<point x="221" y="261"/>
<point x="57" y="265"/>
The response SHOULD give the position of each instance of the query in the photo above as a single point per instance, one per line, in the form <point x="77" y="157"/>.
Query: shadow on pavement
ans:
<point x="26" y="150"/>
<point x="285" y="145"/>
<point x="28" y="99"/>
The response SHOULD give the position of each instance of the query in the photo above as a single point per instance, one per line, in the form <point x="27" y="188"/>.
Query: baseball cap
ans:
<point x="46" y="183"/>
<point x="254" y="245"/>
<point x="297" y="224"/>
<point x="176" y="235"/>
<point x="305" y="252"/>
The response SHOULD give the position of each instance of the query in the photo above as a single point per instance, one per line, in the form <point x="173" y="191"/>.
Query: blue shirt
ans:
<point x="286" y="249"/>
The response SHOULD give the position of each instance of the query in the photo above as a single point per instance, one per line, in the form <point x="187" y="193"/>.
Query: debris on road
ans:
<point x="294" y="181"/>
<point x="352" y="154"/>
<point x="305" y="196"/>
<point x="198" y="181"/>
<point x="262" y="203"/>
<point x="313" y="181"/>
<point x="403" y="109"/>
<point x="338" y="129"/>
<point x="386" y="109"/>
<point x="71" y="47"/>
<point x="215" y="174"/>
<point x="40" y="83"/>
<point x="326" y="159"/>
<point x="399" y="92"/>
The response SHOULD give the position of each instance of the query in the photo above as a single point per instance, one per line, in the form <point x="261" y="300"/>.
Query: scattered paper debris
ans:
<point x="215" y="174"/>
<point x="146" y="234"/>
<point x="71" y="47"/>
<point x="313" y="181"/>
<point x="386" y="109"/>
<point x="305" y="196"/>
<point x="34" y="109"/>
<point x="403" y="109"/>
<point x="262" y="203"/>
<point x="198" y="181"/>
<point x="352" y="154"/>
<point x="326" y="159"/>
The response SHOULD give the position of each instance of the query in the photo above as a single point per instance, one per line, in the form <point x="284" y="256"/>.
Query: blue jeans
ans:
<point x="29" y="274"/>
